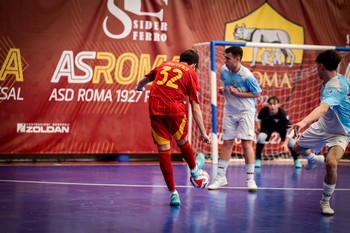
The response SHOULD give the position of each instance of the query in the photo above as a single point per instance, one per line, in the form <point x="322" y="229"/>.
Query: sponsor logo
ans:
<point x="11" y="72"/>
<point x="329" y="91"/>
<point x="154" y="29"/>
<point x="43" y="128"/>
<point x="266" y="25"/>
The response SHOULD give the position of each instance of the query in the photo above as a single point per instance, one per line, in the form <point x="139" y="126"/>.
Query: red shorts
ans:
<point x="165" y="127"/>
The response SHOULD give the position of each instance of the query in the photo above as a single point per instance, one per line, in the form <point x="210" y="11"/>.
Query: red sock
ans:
<point x="167" y="168"/>
<point x="188" y="154"/>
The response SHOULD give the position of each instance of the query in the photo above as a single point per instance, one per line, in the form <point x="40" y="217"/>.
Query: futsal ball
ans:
<point x="202" y="180"/>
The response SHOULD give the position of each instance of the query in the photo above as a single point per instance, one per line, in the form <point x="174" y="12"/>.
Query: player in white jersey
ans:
<point x="240" y="87"/>
<point x="332" y="127"/>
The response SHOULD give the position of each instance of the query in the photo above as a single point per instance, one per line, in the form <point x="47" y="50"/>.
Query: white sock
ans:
<point x="250" y="171"/>
<point x="222" y="167"/>
<point x="174" y="191"/>
<point x="328" y="190"/>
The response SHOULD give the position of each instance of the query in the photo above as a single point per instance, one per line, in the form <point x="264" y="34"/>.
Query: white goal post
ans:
<point x="211" y="66"/>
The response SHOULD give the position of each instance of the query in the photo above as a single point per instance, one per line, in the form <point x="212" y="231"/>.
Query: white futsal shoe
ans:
<point x="314" y="162"/>
<point x="252" y="187"/>
<point x="326" y="208"/>
<point x="218" y="182"/>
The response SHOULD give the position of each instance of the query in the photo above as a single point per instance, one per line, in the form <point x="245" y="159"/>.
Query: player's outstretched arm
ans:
<point x="142" y="84"/>
<point x="198" y="118"/>
<point x="316" y="114"/>
<point x="285" y="143"/>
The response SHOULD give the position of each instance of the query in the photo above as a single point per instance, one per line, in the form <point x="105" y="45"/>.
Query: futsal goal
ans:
<point x="287" y="71"/>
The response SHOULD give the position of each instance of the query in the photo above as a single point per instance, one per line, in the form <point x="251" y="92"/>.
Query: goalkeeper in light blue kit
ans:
<point x="240" y="88"/>
<point x="332" y="127"/>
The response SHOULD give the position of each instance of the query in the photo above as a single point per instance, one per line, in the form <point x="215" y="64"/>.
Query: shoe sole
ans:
<point x="212" y="188"/>
<point x="257" y="165"/>
<point x="252" y="189"/>
<point x="328" y="214"/>
<point x="175" y="203"/>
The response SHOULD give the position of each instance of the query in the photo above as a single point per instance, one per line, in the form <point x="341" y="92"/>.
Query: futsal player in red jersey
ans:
<point x="172" y="83"/>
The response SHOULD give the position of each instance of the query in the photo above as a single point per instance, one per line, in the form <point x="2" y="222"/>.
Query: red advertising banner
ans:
<point x="68" y="69"/>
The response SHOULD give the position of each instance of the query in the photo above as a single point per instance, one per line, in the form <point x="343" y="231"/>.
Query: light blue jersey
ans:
<point x="244" y="81"/>
<point x="336" y="93"/>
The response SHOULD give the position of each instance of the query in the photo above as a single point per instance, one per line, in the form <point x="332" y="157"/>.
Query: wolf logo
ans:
<point x="265" y="36"/>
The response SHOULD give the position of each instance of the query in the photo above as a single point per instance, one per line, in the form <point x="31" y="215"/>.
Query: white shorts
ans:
<point x="238" y="126"/>
<point x="314" y="138"/>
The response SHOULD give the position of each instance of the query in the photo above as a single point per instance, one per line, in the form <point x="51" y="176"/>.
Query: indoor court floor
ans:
<point x="132" y="197"/>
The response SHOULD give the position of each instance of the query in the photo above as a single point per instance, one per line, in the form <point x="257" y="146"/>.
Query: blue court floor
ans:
<point x="132" y="197"/>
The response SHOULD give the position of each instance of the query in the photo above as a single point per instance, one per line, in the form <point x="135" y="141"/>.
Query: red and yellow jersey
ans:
<point x="172" y="83"/>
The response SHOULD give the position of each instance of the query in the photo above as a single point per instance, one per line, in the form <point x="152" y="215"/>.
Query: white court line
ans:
<point x="152" y="186"/>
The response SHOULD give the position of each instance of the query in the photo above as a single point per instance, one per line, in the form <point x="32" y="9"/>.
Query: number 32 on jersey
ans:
<point x="170" y="82"/>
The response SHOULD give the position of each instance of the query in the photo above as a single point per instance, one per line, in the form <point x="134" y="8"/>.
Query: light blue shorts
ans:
<point x="239" y="125"/>
<point x="315" y="138"/>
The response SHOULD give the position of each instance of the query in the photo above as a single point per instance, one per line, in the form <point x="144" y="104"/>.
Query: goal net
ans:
<point x="283" y="70"/>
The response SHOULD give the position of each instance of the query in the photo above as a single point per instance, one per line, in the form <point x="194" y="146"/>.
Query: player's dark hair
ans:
<point x="235" y="50"/>
<point x="329" y="59"/>
<point x="273" y="98"/>
<point x="190" y="56"/>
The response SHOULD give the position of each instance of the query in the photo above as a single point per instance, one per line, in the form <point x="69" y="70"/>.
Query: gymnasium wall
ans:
<point x="68" y="69"/>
